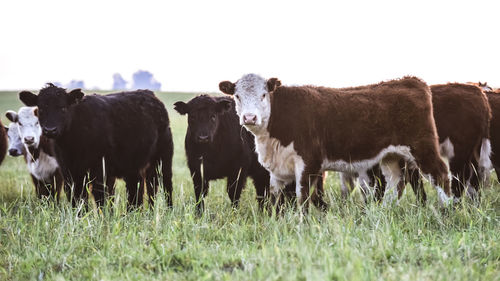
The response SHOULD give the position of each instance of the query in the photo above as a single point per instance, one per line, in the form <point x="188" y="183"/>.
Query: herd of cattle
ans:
<point x="284" y="138"/>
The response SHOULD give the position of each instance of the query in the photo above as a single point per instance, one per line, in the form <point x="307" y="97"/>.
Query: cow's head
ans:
<point x="16" y="146"/>
<point x="203" y="116"/>
<point x="54" y="107"/>
<point x="252" y="95"/>
<point x="27" y="124"/>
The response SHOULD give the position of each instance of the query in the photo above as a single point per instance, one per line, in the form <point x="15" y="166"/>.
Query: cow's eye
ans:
<point x="237" y="97"/>
<point x="20" y="124"/>
<point x="36" y="124"/>
<point x="263" y="96"/>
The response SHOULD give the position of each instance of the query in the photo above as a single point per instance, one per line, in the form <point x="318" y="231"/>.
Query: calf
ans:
<point x="121" y="135"/>
<point x="3" y="142"/>
<point x="218" y="144"/>
<point x="301" y="131"/>
<point x="25" y="138"/>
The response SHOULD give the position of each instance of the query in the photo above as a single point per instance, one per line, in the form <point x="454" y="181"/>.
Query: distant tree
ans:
<point x="118" y="82"/>
<point x="75" y="84"/>
<point x="144" y="80"/>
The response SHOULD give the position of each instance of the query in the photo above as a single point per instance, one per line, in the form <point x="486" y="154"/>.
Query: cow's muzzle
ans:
<point x="249" y="119"/>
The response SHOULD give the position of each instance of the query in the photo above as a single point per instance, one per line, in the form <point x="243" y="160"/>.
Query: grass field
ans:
<point x="40" y="240"/>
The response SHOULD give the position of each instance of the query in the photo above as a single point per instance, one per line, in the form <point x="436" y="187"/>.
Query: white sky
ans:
<point x="193" y="45"/>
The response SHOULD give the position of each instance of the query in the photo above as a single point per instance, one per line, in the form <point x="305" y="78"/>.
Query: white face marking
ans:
<point x="29" y="128"/>
<point x="16" y="146"/>
<point x="252" y="99"/>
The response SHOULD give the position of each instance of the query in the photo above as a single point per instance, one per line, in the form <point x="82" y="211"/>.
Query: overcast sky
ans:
<point x="193" y="45"/>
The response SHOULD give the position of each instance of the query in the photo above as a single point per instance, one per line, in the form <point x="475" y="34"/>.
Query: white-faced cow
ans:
<point x="121" y="135"/>
<point x="3" y="142"/>
<point x="301" y="131"/>
<point x="25" y="138"/>
<point x="466" y="147"/>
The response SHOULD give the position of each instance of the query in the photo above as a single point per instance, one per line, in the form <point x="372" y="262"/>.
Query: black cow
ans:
<point x="216" y="141"/>
<point x="121" y="135"/>
<point x="3" y="142"/>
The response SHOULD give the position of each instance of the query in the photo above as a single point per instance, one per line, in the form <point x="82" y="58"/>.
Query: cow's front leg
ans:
<point x="306" y="175"/>
<point x="276" y="188"/>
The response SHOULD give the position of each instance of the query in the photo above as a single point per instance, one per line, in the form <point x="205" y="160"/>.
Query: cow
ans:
<point x="466" y="148"/>
<point x="494" y="102"/>
<point x="25" y="137"/>
<point x="301" y="131"/>
<point x="3" y="142"/>
<point x="120" y="135"/>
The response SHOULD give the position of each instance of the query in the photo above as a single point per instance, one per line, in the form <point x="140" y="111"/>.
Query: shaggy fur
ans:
<point x="122" y="135"/>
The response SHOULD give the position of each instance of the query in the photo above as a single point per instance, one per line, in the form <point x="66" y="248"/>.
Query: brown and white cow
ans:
<point x="462" y="115"/>
<point x="25" y="138"/>
<point x="494" y="101"/>
<point x="304" y="130"/>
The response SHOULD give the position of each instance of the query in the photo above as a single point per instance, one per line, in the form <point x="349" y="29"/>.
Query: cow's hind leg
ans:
<point x="392" y="173"/>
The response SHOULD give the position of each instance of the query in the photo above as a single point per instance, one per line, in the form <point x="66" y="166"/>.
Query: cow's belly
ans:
<point x="365" y="164"/>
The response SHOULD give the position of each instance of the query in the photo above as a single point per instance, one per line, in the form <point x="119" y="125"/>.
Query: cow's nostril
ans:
<point x="13" y="152"/>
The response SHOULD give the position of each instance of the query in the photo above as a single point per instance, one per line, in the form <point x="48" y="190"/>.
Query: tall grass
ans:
<point x="41" y="240"/>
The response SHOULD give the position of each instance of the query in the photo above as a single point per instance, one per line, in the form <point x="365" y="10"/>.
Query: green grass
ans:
<point x="46" y="241"/>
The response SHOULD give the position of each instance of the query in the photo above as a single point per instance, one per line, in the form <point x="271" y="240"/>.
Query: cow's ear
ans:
<point x="75" y="96"/>
<point x="227" y="87"/>
<point x="28" y="98"/>
<point x="272" y="84"/>
<point x="181" y="107"/>
<point x="223" y="106"/>
<point x="12" y="116"/>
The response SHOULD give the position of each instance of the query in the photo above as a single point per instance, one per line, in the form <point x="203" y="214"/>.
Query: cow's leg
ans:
<point x="75" y="190"/>
<point x="58" y="184"/>
<point x="417" y="185"/>
<point x="235" y="184"/>
<point x="392" y="174"/>
<point x="200" y="184"/>
<point x="276" y="190"/>
<point x="318" y="194"/>
<point x="430" y="163"/>
<point x="152" y="179"/>
<point x="166" y="159"/>
<point x="378" y="181"/>
<point x="41" y="189"/>
<point x="346" y="184"/>
<point x="365" y="184"/>
<point x="261" y="183"/>
<point x="306" y="175"/>
<point x="99" y="188"/>
<point x="135" y="191"/>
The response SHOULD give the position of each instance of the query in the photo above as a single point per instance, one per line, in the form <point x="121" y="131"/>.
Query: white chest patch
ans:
<point x="279" y="160"/>
<point x="44" y="167"/>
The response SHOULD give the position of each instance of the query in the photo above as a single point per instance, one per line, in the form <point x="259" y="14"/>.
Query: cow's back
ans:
<point x="123" y="127"/>
<point x="464" y="106"/>
<point x="351" y="123"/>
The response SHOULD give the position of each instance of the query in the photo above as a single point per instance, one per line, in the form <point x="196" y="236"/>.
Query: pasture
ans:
<point x="46" y="241"/>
